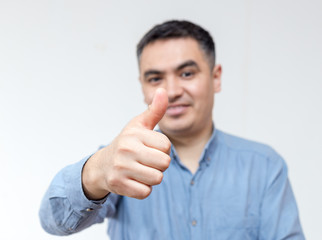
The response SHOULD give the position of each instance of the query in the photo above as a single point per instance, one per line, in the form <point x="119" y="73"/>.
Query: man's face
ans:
<point x="181" y="68"/>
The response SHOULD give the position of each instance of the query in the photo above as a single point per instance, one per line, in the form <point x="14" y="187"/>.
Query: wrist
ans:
<point x="92" y="179"/>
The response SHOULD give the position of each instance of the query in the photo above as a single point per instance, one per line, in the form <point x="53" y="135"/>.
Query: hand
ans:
<point x="135" y="160"/>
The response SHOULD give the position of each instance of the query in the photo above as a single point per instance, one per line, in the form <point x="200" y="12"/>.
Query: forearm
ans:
<point x="65" y="209"/>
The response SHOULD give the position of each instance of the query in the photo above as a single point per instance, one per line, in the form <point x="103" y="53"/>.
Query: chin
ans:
<point x="175" y="128"/>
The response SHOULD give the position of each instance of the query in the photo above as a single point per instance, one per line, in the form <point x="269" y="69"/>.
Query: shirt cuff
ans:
<point x="74" y="189"/>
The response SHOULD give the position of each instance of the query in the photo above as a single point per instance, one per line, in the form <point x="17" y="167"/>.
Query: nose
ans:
<point x="174" y="88"/>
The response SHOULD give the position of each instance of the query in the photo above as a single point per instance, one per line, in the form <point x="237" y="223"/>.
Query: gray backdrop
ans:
<point x="69" y="83"/>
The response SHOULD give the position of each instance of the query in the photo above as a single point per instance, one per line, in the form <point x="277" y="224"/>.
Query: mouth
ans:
<point x="176" y="110"/>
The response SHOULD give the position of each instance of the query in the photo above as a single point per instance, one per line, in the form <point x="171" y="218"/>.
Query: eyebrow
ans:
<point x="189" y="63"/>
<point x="152" y="72"/>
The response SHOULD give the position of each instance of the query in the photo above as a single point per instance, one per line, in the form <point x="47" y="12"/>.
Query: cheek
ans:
<point x="203" y="96"/>
<point x="201" y="91"/>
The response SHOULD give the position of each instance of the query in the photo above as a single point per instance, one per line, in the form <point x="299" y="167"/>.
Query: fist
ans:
<point x="135" y="160"/>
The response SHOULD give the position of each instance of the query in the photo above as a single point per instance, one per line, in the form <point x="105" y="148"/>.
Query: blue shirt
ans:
<point x="240" y="191"/>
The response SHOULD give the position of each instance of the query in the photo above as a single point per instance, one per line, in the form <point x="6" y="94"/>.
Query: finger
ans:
<point x="144" y="174"/>
<point x="155" y="140"/>
<point x="154" y="158"/>
<point x="150" y="118"/>
<point x="134" y="189"/>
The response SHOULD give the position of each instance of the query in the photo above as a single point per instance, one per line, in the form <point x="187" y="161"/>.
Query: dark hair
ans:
<point x="180" y="29"/>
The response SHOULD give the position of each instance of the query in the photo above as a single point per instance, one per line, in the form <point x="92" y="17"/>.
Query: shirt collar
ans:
<point x="206" y="154"/>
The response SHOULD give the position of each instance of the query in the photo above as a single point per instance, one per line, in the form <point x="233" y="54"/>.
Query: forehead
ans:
<point x="169" y="53"/>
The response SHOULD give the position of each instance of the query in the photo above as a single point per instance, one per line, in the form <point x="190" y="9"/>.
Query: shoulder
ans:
<point x="260" y="159"/>
<point x="242" y="146"/>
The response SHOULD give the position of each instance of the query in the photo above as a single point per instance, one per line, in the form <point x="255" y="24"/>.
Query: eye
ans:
<point x="187" y="74"/>
<point x="154" y="80"/>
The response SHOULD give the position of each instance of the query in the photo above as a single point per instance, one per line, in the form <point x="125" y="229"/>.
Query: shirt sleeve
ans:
<point x="279" y="213"/>
<point x="65" y="209"/>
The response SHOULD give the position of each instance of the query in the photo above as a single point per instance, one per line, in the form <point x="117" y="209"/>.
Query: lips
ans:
<point x="176" y="110"/>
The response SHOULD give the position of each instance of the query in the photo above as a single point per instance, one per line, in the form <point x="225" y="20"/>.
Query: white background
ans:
<point x="68" y="83"/>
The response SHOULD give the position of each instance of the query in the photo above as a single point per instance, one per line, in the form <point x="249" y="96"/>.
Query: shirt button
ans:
<point x="194" y="223"/>
<point x="89" y="209"/>
<point x="192" y="182"/>
<point x="208" y="159"/>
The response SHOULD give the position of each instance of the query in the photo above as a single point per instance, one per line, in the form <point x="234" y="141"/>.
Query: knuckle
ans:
<point x="166" y="145"/>
<point x="158" y="177"/>
<point x="113" y="182"/>
<point x="165" y="162"/>
<point x="123" y="147"/>
<point x="130" y="131"/>
<point x="118" y="167"/>
<point x="165" y="142"/>
<point x="144" y="192"/>
<point x="126" y="146"/>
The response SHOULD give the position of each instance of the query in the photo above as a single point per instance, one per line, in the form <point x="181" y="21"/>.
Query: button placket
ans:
<point x="194" y="205"/>
<point x="194" y="223"/>
<point x="192" y="182"/>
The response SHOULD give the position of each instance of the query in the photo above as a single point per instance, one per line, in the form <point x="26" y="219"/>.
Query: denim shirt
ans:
<point x="240" y="191"/>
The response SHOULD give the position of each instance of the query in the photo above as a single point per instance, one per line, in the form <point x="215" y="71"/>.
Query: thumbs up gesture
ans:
<point x="135" y="160"/>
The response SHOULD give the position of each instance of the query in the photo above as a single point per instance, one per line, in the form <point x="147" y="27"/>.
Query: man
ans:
<point x="187" y="181"/>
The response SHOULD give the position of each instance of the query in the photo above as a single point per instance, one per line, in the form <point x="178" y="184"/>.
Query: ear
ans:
<point x="216" y="74"/>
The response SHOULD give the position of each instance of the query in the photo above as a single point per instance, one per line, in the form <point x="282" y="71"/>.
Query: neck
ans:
<point x="198" y="138"/>
<point x="190" y="147"/>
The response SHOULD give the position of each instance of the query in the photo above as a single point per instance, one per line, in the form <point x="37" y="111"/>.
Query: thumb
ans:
<point x="156" y="110"/>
